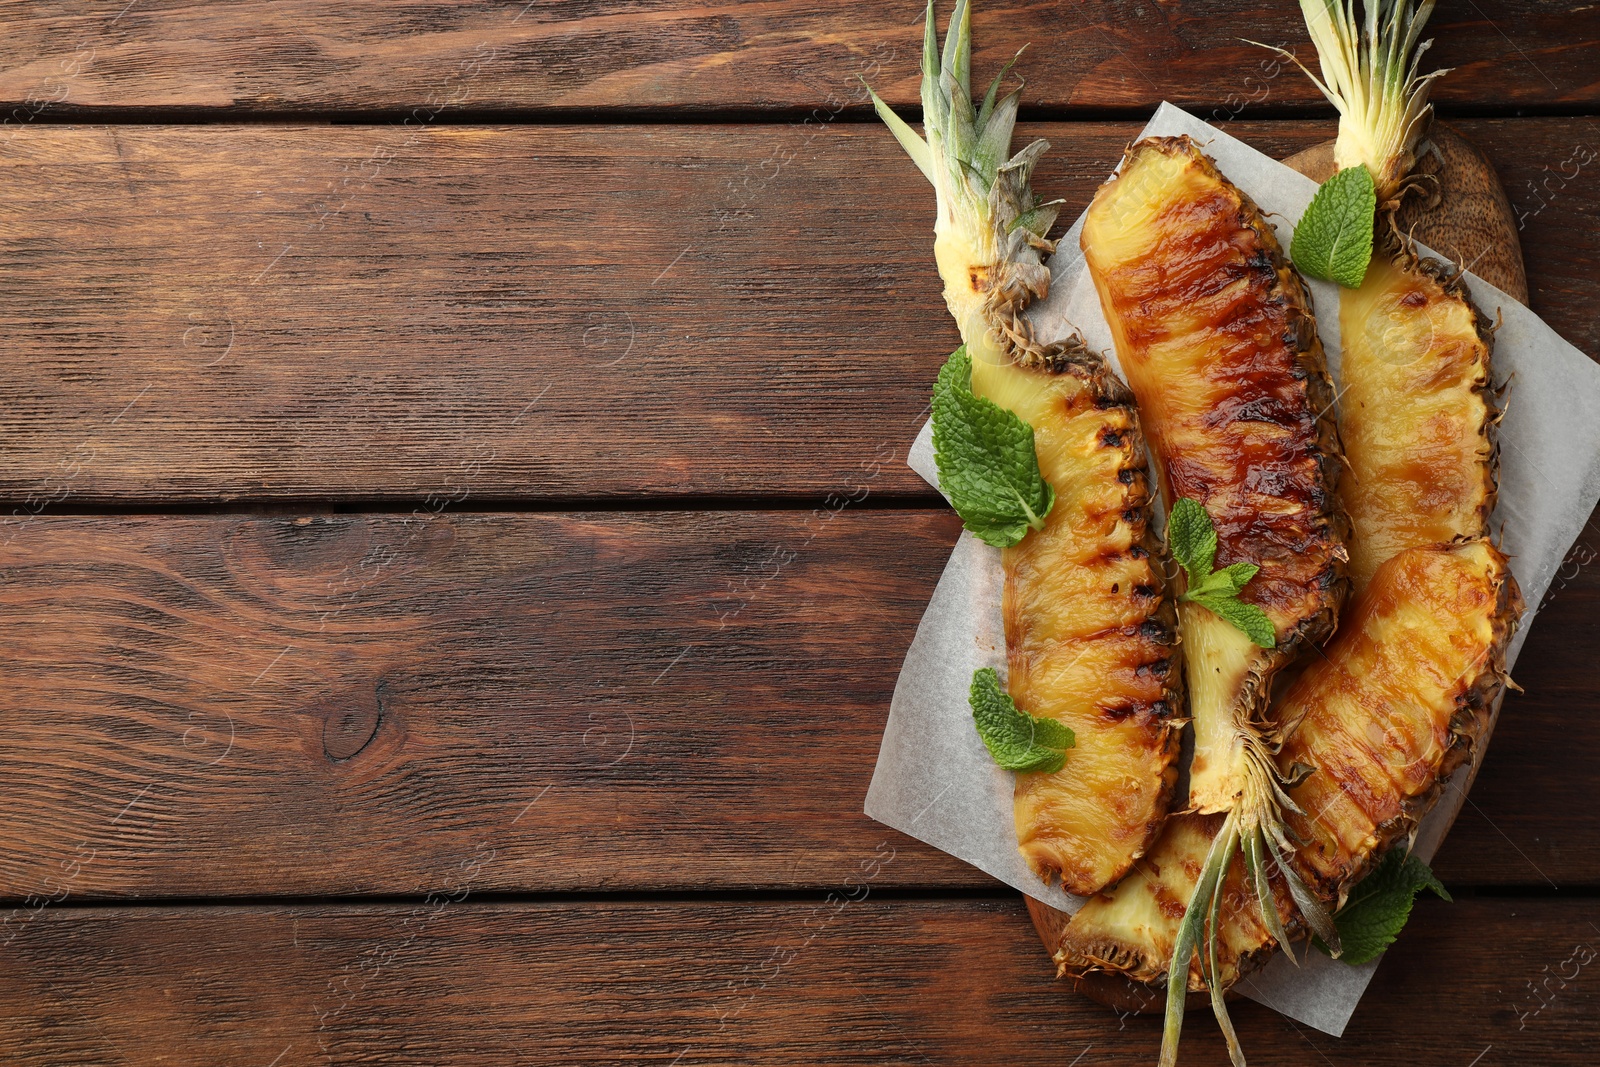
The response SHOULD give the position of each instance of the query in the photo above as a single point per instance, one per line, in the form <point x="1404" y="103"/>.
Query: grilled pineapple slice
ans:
<point x="1416" y="419"/>
<point x="1380" y="720"/>
<point x="1403" y="694"/>
<point x="1132" y="930"/>
<point x="1415" y="412"/>
<point x="1216" y="338"/>
<point x="1089" y="631"/>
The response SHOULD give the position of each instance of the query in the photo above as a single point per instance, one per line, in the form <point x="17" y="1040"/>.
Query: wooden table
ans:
<point x="460" y="552"/>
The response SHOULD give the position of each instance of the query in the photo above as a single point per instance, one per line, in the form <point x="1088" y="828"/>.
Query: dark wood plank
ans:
<point x="266" y="313"/>
<point x="348" y="705"/>
<point x="561" y="55"/>
<point x="337" y="705"/>
<point x="446" y="983"/>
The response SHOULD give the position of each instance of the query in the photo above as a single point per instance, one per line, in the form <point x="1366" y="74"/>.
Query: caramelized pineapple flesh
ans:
<point x="1404" y="692"/>
<point x="1089" y="630"/>
<point x="1384" y="716"/>
<point x="1131" y="929"/>
<point x="1215" y="337"/>
<point x="1414" y="414"/>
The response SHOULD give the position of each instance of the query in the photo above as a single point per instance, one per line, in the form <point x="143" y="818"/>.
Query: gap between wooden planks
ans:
<point x="346" y="705"/>
<point x="717" y="982"/>
<point x="715" y="55"/>
<point x="535" y="314"/>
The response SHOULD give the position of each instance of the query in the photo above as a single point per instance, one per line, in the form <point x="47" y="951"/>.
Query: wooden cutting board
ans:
<point x="1469" y="221"/>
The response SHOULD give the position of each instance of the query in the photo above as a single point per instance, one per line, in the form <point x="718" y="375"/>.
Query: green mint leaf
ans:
<point x="1193" y="541"/>
<point x="1017" y="741"/>
<point x="987" y="463"/>
<point x="1228" y="582"/>
<point x="1379" y="906"/>
<point x="1333" y="240"/>
<point x="1192" y="538"/>
<point x="1247" y="617"/>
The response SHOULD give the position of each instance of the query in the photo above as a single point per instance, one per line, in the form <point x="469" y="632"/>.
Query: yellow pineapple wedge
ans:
<point x="1090" y="631"/>
<point x="1403" y="695"/>
<point x="1415" y="412"/>
<point x="1131" y="930"/>
<point x="1381" y="719"/>
<point x="1215" y="335"/>
<point x="1416" y="415"/>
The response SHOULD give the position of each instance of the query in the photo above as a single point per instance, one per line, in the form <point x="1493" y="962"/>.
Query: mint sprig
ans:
<point x="1380" y="904"/>
<point x="987" y="463"/>
<point x="1017" y="741"/>
<point x="1333" y="240"/>
<point x="1193" y="540"/>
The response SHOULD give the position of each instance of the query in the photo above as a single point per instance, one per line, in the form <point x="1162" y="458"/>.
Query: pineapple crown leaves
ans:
<point x="965" y="153"/>
<point x="1371" y="73"/>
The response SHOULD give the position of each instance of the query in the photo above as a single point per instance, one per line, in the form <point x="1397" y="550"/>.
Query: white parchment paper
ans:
<point x="935" y="781"/>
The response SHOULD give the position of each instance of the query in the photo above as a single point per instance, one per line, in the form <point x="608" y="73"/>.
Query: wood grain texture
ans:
<point x="344" y="704"/>
<point x="444" y="983"/>
<point x="558" y="55"/>
<point x="233" y="706"/>
<point x="535" y="313"/>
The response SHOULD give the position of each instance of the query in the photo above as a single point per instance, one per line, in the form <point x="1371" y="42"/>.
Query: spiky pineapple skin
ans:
<point x="1416" y="411"/>
<point x="1404" y="694"/>
<point x="1090" y="630"/>
<point x="1215" y="335"/>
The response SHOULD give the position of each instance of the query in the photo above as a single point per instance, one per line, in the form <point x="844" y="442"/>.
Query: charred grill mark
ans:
<point x="1107" y="556"/>
<point x="1155" y="630"/>
<point x="1157" y="669"/>
<point x="1272" y="408"/>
